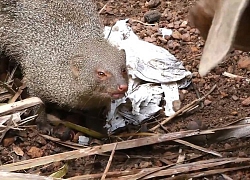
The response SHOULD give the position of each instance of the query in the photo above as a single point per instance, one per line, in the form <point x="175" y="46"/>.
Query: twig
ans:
<point x="109" y="163"/>
<point x="21" y="176"/>
<point x="226" y="177"/>
<point x="184" y="109"/>
<point x="181" y="157"/>
<point x="198" y="147"/>
<point x="12" y="73"/>
<point x="217" y="171"/>
<point x="18" y="93"/>
<point x="186" y="168"/>
<point x="167" y="171"/>
<point x="230" y="75"/>
<point x="6" y="129"/>
<point x="108" y="147"/>
<point x="99" y="150"/>
<point x="7" y="87"/>
<point x="19" y="105"/>
<point x="146" y="24"/>
<point x="197" y="94"/>
<point x="28" y="119"/>
<point x="195" y="146"/>
<point x="104" y="7"/>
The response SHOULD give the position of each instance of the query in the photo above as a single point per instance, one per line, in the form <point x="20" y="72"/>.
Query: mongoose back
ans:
<point x="62" y="52"/>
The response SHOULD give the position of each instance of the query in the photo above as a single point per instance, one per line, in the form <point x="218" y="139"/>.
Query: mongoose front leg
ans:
<point x="43" y="124"/>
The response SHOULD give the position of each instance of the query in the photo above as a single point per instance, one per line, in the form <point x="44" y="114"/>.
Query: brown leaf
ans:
<point x="18" y="150"/>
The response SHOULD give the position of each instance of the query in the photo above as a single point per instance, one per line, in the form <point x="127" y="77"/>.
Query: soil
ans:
<point x="223" y="106"/>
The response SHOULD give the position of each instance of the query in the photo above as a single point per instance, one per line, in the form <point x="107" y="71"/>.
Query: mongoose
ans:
<point x="62" y="52"/>
<point x="224" y="25"/>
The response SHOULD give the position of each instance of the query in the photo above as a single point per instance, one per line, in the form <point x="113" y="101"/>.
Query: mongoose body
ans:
<point x="62" y="52"/>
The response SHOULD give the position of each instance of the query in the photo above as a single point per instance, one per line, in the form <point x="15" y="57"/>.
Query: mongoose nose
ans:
<point x="123" y="87"/>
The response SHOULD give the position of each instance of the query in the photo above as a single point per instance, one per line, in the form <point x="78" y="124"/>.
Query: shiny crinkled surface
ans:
<point x="147" y="64"/>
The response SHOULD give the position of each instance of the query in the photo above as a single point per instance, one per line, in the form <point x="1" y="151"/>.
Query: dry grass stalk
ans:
<point x="99" y="150"/>
<point x="21" y="176"/>
<point x="109" y="163"/>
<point x="148" y="173"/>
<point x="198" y="147"/>
<point x="20" y="105"/>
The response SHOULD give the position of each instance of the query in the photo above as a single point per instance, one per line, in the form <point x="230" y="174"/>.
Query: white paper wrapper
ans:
<point x="155" y="74"/>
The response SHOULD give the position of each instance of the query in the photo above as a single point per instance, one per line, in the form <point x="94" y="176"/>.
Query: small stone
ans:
<point x="184" y="91"/>
<point x="234" y="113"/>
<point x="176" y="45"/>
<point x="149" y="39"/>
<point x="246" y="102"/>
<point x="230" y="69"/>
<point x="171" y="25"/>
<point x="242" y="154"/>
<point x="181" y="96"/>
<point x="182" y="30"/>
<point x="177" y="23"/>
<point x="176" y="105"/>
<point x="223" y="94"/>
<point x="176" y="26"/>
<point x="158" y="163"/>
<point x="153" y="3"/>
<point x="186" y="37"/>
<point x="201" y="125"/>
<point x="207" y="102"/>
<point x="235" y="98"/>
<point x="176" y="35"/>
<point x="136" y="166"/>
<point x="194" y="49"/>
<point x="192" y="31"/>
<point x="209" y="97"/>
<point x="170" y="44"/>
<point x="192" y="125"/>
<point x="35" y="152"/>
<point x="244" y="63"/>
<point x="145" y="164"/>
<point x="163" y="40"/>
<point x="183" y="24"/>
<point x="227" y="146"/>
<point x="199" y="122"/>
<point x="8" y="141"/>
<point x="195" y="74"/>
<point x="41" y="140"/>
<point x="152" y="16"/>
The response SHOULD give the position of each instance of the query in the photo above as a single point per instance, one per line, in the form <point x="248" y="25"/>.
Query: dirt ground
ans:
<point x="226" y="104"/>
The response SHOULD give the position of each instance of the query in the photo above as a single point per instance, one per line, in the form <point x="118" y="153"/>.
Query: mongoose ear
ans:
<point x="75" y="66"/>
<point x="221" y="34"/>
<point x="123" y="51"/>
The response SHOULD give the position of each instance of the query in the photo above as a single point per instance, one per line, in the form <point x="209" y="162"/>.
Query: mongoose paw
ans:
<point x="45" y="128"/>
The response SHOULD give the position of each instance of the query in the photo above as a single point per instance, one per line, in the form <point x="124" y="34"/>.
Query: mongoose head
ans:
<point x="62" y="52"/>
<point x="100" y="71"/>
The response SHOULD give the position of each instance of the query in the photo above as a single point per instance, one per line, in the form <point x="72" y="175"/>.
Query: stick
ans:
<point x="109" y="163"/>
<point x="184" y="109"/>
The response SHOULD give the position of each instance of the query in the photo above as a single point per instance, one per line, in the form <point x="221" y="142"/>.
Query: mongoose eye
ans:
<point x="101" y="74"/>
